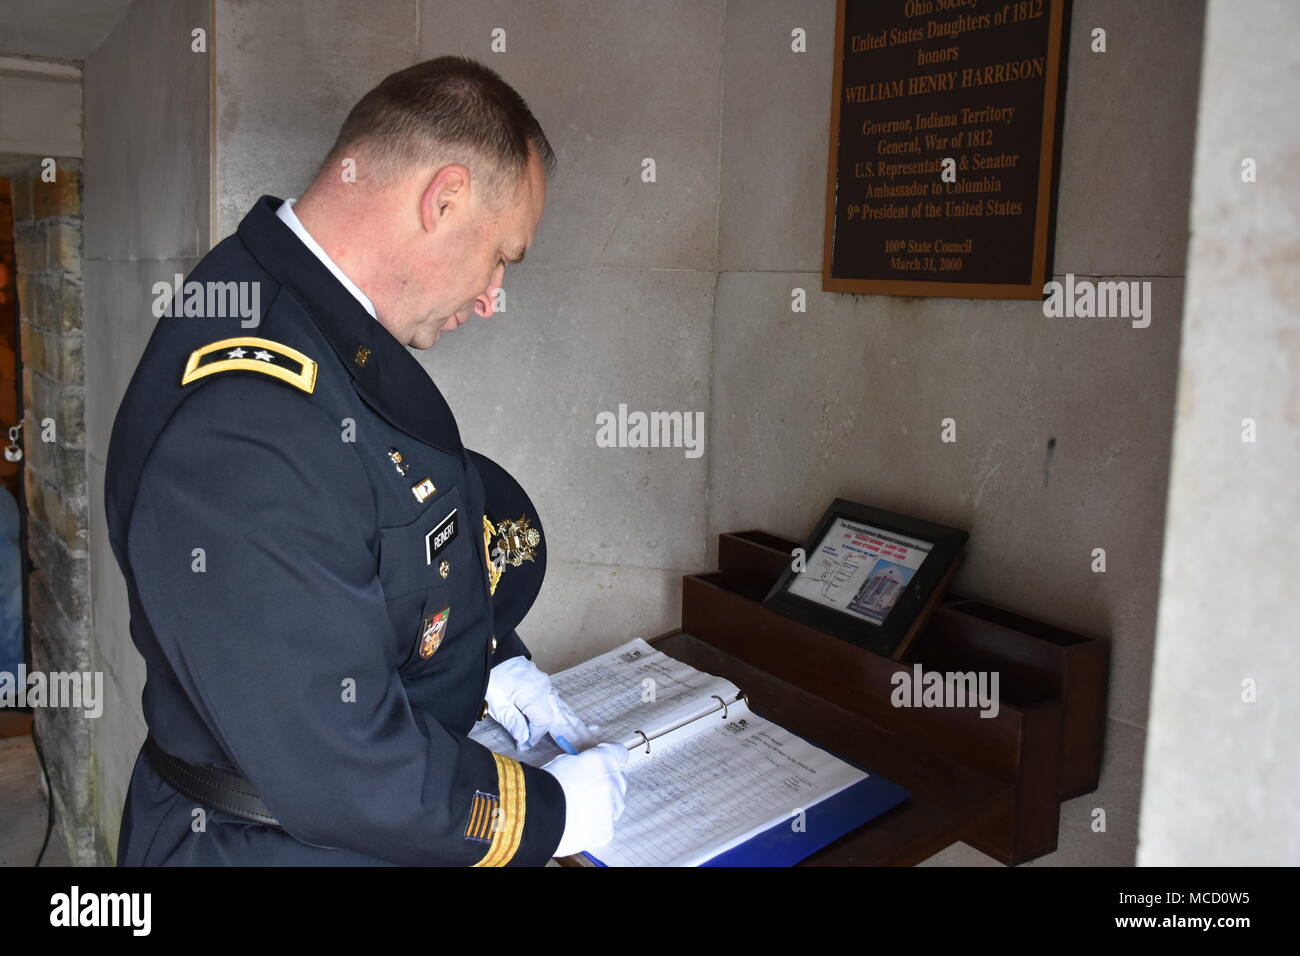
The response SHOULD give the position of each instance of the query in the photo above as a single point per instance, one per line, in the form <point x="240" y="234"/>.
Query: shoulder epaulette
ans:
<point x="251" y="354"/>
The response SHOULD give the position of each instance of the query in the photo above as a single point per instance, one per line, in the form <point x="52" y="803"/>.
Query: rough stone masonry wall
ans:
<point x="48" y="234"/>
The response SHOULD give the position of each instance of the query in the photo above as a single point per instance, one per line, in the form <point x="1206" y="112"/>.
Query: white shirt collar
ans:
<point x="291" y="219"/>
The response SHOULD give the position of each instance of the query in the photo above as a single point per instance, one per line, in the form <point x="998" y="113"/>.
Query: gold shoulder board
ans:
<point x="251" y="354"/>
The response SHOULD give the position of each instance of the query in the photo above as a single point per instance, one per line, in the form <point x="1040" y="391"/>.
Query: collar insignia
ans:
<point x="401" y="464"/>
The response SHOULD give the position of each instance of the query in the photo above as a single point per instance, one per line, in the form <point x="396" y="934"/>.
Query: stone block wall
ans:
<point x="48" y="251"/>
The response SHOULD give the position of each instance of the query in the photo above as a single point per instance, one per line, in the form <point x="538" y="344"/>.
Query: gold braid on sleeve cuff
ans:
<point x="508" y="825"/>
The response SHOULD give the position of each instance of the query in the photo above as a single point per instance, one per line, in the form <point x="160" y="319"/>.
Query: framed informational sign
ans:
<point x="944" y="147"/>
<point x="869" y="576"/>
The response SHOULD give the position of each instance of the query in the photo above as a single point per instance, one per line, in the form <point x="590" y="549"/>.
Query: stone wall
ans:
<point x="48" y="233"/>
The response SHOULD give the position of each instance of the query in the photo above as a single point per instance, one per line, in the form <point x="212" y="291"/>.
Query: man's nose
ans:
<point x="485" y="304"/>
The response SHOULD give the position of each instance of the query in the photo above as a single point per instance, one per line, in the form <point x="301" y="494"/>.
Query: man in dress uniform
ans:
<point x="324" y="582"/>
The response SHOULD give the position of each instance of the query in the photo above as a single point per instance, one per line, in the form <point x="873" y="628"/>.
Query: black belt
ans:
<point x="214" y="789"/>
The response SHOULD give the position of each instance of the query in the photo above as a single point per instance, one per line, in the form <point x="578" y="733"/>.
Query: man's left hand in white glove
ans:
<point x="520" y="698"/>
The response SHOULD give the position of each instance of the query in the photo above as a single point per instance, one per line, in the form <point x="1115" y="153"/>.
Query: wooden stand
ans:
<point x="993" y="782"/>
<point x="15" y="723"/>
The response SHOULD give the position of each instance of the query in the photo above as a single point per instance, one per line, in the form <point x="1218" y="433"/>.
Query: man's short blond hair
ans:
<point x="451" y="109"/>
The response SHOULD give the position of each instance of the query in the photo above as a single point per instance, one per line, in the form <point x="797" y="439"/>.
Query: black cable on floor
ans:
<point x="49" y="793"/>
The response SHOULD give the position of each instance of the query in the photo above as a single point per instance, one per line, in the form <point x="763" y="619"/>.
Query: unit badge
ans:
<point x="431" y="634"/>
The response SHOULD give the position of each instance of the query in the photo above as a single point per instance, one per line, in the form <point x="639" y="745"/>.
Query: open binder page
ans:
<point x="728" y="780"/>
<point x="631" y="688"/>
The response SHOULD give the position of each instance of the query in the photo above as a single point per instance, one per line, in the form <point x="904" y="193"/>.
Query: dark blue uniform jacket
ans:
<point x="307" y="621"/>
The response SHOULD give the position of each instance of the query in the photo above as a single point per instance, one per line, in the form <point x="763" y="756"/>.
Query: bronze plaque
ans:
<point x="944" y="130"/>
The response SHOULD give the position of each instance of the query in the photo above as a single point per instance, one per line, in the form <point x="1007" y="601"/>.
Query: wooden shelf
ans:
<point x="15" y="723"/>
<point x="995" y="782"/>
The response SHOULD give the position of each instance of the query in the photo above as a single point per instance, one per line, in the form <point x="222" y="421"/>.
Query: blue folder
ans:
<point x="827" y="822"/>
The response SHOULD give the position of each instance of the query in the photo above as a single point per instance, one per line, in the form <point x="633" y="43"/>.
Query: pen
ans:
<point x="567" y="747"/>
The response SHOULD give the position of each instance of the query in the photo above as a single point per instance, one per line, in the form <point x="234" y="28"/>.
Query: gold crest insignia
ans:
<point x="493" y="568"/>
<point x="516" y="542"/>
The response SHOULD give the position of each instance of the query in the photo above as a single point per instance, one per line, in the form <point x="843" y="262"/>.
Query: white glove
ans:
<point x="594" y="786"/>
<point x="520" y="698"/>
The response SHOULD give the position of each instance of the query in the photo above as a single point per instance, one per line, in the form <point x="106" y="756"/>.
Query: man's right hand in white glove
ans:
<point x="594" y="786"/>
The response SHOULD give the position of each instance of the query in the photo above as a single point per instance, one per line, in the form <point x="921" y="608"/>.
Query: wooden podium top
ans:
<point x="994" y="779"/>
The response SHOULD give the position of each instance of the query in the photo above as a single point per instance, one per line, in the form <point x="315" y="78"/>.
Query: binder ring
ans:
<point x="645" y="738"/>
<point x="724" y="705"/>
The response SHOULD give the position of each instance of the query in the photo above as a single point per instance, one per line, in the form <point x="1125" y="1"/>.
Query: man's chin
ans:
<point x="427" y="339"/>
<point x="424" y="340"/>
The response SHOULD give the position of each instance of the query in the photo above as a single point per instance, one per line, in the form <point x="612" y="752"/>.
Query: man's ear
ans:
<point x="443" y="195"/>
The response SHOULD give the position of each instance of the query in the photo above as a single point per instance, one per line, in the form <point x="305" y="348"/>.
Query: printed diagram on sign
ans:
<point x="836" y="574"/>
